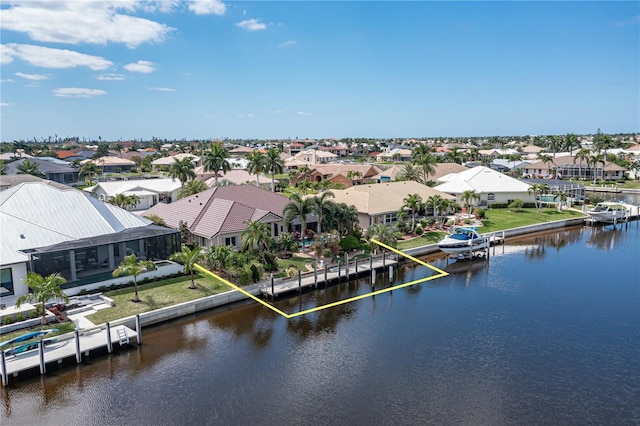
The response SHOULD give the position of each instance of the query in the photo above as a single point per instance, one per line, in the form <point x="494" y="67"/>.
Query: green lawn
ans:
<point x="427" y="238"/>
<point x="298" y="262"/>
<point x="157" y="295"/>
<point x="499" y="219"/>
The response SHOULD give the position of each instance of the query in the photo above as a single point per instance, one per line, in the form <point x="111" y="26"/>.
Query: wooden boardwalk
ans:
<point x="66" y="347"/>
<point x="324" y="276"/>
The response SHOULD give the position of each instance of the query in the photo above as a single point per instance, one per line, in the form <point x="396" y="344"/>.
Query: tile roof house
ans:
<point x="568" y="166"/>
<point x="219" y="215"/>
<point x="491" y="186"/>
<point x="379" y="203"/>
<point x="339" y="173"/>
<point x="112" y="164"/>
<point x="169" y="160"/>
<point x="47" y="229"/>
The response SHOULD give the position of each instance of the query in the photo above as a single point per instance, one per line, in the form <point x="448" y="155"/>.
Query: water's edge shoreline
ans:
<point x="170" y="313"/>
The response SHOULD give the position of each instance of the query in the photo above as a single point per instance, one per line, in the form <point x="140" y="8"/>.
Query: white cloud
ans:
<point x="209" y="116"/>
<point x="287" y="43"/>
<point x="161" y="89"/>
<point x="303" y="113"/>
<point x="250" y="115"/>
<point x="278" y="111"/>
<point x="36" y="77"/>
<point x="207" y="7"/>
<point x="6" y="80"/>
<point x="145" y="67"/>
<point x="4" y="104"/>
<point x="47" y="57"/>
<point x="77" y="92"/>
<point x="251" y="25"/>
<point x="96" y="22"/>
<point x="110" y="77"/>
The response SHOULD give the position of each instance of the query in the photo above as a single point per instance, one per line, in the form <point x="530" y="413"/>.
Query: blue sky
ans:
<point x="310" y="69"/>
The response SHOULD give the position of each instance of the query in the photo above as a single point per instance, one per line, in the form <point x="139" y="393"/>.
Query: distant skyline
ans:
<point x="310" y="69"/>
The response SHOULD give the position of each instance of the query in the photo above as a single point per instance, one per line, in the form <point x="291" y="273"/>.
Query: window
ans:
<point x="390" y="218"/>
<point x="275" y="229"/>
<point x="491" y="196"/>
<point x="230" y="241"/>
<point x="6" y="280"/>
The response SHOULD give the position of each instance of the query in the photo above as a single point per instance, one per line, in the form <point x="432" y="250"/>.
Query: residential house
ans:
<point x="380" y="203"/>
<point x="309" y="157"/>
<point x="219" y="215"/>
<point x="490" y="185"/>
<point x="396" y="155"/>
<point x="339" y="150"/>
<point x="236" y="177"/>
<point x="567" y="167"/>
<point x="149" y="191"/>
<point x="69" y="232"/>
<point x="112" y="164"/>
<point x="166" y="162"/>
<point x="346" y="174"/>
<point x="61" y="173"/>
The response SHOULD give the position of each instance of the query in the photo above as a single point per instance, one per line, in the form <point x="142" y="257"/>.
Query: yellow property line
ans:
<point x="440" y="274"/>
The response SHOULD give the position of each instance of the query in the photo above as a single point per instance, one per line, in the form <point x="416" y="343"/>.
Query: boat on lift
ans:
<point x="463" y="240"/>
<point x="609" y="212"/>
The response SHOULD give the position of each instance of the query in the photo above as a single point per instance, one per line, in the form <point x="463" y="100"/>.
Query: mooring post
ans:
<point x="315" y="273"/>
<point x="109" y="342"/>
<point x="273" y="293"/>
<point x="78" y="353"/>
<point x="299" y="281"/>
<point x="373" y="278"/>
<point x="383" y="259"/>
<point x="43" y="368"/>
<point x="138" y="329"/>
<point x="326" y="269"/>
<point x="346" y="265"/>
<point x="390" y="272"/>
<point x="3" y="363"/>
<point x="371" y="262"/>
<point x="339" y="275"/>
<point x="355" y="262"/>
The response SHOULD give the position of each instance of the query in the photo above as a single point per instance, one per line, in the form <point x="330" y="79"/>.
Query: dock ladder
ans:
<point x="122" y="336"/>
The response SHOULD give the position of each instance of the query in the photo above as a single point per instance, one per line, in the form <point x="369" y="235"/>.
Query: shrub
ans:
<point x="418" y="230"/>
<point x="349" y="243"/>
<point x="20" y="316"/>
<point x="326" y="253"/>
<point x="102" y="288"/>
<point x="516" y="204"/>
<point x="6" y="320"/>
<point x="83" y="292"/>
<point x="424" y="223"/>
<point x="255" y="273"/>
<point x="480" y="213"/>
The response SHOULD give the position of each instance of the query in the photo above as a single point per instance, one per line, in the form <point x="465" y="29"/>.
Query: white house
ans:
<point x="491" y="186"/>
<point x="149" y="191"/>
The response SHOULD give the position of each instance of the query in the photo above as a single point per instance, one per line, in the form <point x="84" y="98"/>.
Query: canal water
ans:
<point x="546" y="332"/>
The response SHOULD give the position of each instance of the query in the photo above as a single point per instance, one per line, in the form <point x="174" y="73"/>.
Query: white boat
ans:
<point x="608" y="211"/>
<point x="463" y="241"/>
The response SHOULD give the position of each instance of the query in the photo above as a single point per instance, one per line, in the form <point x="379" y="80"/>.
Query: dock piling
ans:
<point x="383" y="259"/>
<point x="3" y="364"/>
<point x="326" y="268"/>
<point x="109" y="342"/>
<point x="315" y="273"/>
<point x="346" y="265"/>
<point x="299" y="281"/>
<point x="43" y="367"/>
<point x="273" y="293"/>
<point x="138" y="329"/>
<point x="78" y="353"/>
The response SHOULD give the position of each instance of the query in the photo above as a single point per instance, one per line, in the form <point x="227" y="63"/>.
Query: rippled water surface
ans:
<point x="546" y="332"/>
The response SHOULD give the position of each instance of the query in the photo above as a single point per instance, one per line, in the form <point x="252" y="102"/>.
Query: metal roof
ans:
<point x="34" y="214"/>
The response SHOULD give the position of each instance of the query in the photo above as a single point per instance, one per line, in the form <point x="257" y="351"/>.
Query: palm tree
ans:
<point x="273" y="165"/>
<point x="299" y="174"/>
<point x="561" y="198"/>
<point x="42" y="289"/>
<point x="132" y="266"/>
<point x="546" y="159"/>
<point x="423" y="158"/>
<point x="537" y="189"/>
<point x="256" y="164"/>
<point x="353" y="175"/>
<point x="192" y="187"/>
<point x="571" y="141"/>
<point x="183" y="170"/>
<point x="188" y="257"/>
<point x="410" y="172"/>
<point x="414" y="203"/>
<point x="321" y="204"/>
<point x="435" y="201"/>
<point x="383" y="233"/>
<point x="131" y="201"/>
<point x="29" y="168"/>
<point x="256" y="236"/>
<point x="119" y="200"/>
<point x="88" y="170"/>
<point x="594" y="160"/>
<point x="582" y="154"/>
<point x="215" y="159"/>
<point x="298" y="207"/>
<point x="469" y="197"/>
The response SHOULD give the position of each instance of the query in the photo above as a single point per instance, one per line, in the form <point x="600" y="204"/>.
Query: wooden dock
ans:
<point x="324" y="275"/>
<point x="70" y="345"/>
